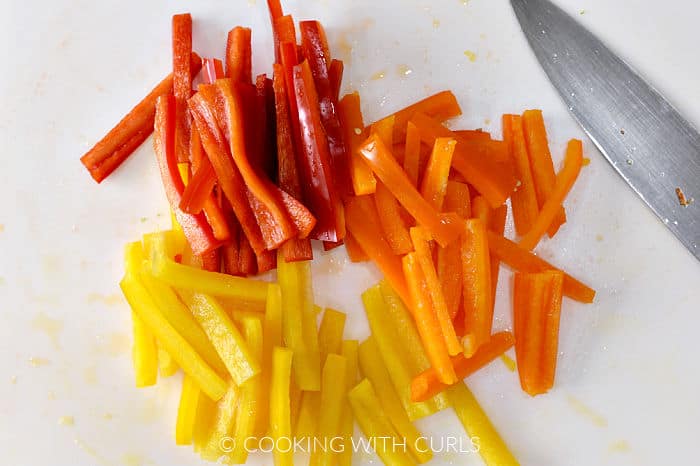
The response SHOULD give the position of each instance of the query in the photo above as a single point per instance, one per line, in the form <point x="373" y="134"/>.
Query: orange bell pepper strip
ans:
<point x="395" y="230"/>
<point x="195" y="227"/>
<point x="335" y="75"/>
<point x="473" y="134"/>
<point x="482" y="163"/>
<point x="449" y="270"/>
<point x="122" y="140"/>
<point x="421" y="244"/>
<point x="537" y="308"/>
<point x="411" y="158"/>
<point x="363" y="224"/>
<point x="354" y="249"/>
<point x="458" y="199"/>
<point x="384" y="128"/>
<point x="524" y="199"/>
<point x="541" y="162"/>
<point x="295" y="249"/>
<point x="552" y="207"/>
<point x="212" y="69"/>
<point x="497" y="224"/>
<point x="481" y="209"/>
<point x="434" y="183"/>
<point x="522" y="260"/>
<point x="182" y="81"/>
<point x="427" y="384"/>
<point x="441" y="106"/>
<point x="476" y="273"/>
<point x="427" y="322"/>
<point x="230" y="179"/>
<point x="239" y="55"/>
<point x="363" y="179"/>
<point x="390" y="173"/>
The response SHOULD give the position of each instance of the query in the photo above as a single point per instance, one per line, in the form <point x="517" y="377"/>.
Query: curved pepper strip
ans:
<point x="380" y="159"/>
<point x="122" y="140"/>
<point x="198" y="232"/>
<point x="230" y="179"/>
<point x="316" y="170"/>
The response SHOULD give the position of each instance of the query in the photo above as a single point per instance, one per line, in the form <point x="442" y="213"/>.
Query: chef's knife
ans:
<point x="646" y="140"/>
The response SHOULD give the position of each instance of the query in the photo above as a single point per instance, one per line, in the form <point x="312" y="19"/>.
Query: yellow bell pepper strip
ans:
<point x="272" y="336"/>
<point x="280" y="417"/>
<point x="347" y="423"/>
<point x="250" y="390"/>
<point x="224" y="335"/>
<point x="214" y="283"/>
<point x="295" y="395"/>
<point x="377" y="427"/>
<point x="166" y="364"/>
<point x="307" y="419"/>
<point x="392" y="335"/>
<point x="387" y="169"/>
<point x="299" y="321"/>
<point x="187" y="411"/>
<point x="330" y="333"/>
<point x="477" y="289"/>
<point x="182" y="320"/>
<point x="331" y="410"/>
<point x="222" y="425"/>
<point x="204" y="416"/>
<point x="191" y="362"/>
<point x="427" y="321"/>
<point x="144" y="353"/>
<point x="436" y="301"/>
<point x="376" y="372"/>
<point x="434" y="184"/>
<point x="492" y="448"/>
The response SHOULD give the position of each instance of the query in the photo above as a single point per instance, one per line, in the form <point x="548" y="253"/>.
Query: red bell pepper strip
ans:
<point x="239" y="55"/>
<point x="295" y="249"/>
<point x="230" y="180"/>
<point x="230" y="251"/>
<point x="270" y="166"/>
<point x="317" y="53"/>
<point x="316" y="171"/>
<point x="122" y="140"/>
<point x="262" y="150"/>
<point x="379" y="158"/>
<point x="195" y="227"/>
<point x="474" y="160"/>
<point x="247" y="258"/>
<point x="182" y="81"/>
<point x="285" y="217"/>
<point x="275" y="9"/>
<point x="335" y="75"/>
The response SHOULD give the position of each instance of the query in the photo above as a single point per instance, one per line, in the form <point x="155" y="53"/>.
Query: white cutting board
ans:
<point x="627" y="385"/>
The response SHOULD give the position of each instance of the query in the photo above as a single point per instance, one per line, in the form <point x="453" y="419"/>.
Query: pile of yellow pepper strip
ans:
<point x="257" y="367"/>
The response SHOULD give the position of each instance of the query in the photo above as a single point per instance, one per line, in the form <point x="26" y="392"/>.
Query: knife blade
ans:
<point x="653" y="147"/>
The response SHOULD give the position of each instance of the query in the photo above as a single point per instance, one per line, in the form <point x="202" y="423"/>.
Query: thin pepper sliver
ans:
<point x="122" y="140"/>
